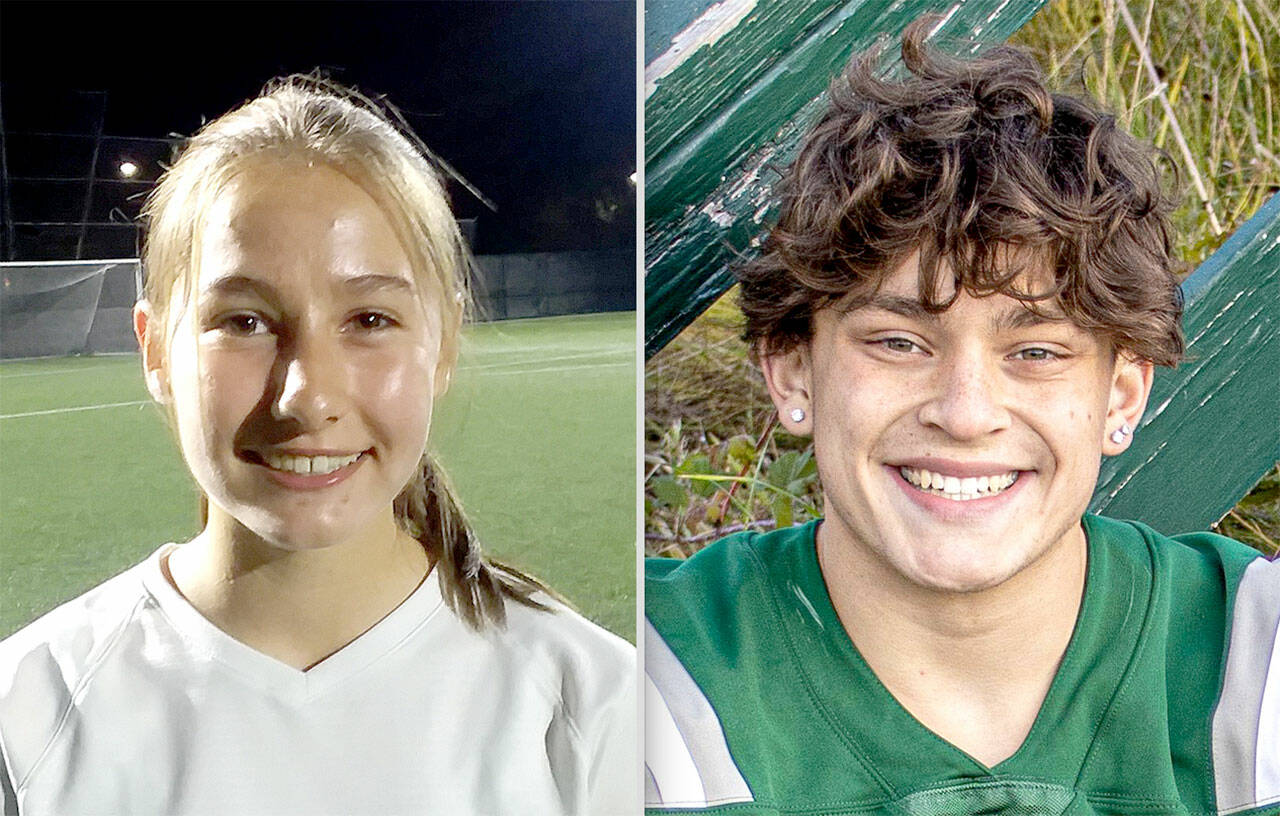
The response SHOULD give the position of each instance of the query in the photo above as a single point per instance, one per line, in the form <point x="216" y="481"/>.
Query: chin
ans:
<point x="958" y="570"/>
<point x="296" y="535"/>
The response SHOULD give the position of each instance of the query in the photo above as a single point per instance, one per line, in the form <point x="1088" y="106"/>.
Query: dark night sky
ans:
<point x="533" y="102"/>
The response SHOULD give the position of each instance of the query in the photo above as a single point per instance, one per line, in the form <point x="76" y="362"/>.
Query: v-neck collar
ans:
<point x="271" y="676"/>
<point x="904" y="753"/>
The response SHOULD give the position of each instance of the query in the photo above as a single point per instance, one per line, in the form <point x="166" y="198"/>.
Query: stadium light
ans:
<point x="128" y="169"/>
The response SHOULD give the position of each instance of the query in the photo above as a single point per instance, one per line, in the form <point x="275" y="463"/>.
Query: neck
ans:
<point x="296" y="605"/>
<point x="946" y="656"/>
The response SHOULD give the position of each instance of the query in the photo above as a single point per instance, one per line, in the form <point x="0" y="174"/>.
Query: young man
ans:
<point x="963" y="301"/>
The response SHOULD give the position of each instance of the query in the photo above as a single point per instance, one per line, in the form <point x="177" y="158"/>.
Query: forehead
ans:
<point x="900" y="292"/>
<point x="291" y="221"/>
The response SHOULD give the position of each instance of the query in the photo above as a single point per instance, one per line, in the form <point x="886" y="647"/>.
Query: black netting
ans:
<point x="555" y="283"/>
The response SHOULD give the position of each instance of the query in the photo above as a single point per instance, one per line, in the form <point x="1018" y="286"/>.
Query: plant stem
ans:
<point x="1123" y="7"/>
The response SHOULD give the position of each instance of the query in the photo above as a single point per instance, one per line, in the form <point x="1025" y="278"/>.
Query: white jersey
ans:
<point x="127" y="700"/>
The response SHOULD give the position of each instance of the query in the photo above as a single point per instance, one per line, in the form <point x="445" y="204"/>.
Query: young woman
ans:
<point x="332" y="641"/>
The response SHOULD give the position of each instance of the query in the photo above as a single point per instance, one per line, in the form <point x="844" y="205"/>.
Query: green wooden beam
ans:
<point x="1212" y="426"/>
<point x="726" y="106"/>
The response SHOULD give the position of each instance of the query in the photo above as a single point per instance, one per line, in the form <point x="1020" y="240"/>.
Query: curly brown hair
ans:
<point x="965" y="160"/>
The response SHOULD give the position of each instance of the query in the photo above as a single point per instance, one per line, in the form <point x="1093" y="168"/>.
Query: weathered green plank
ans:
<point x="730" y="101"/>
<point x="1212" y="426"/>
<point x="664" y="19"/>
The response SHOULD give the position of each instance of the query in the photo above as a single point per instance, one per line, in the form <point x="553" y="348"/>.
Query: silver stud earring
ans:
<point x="1119" y="434"/>
<point x="797" y="415"/>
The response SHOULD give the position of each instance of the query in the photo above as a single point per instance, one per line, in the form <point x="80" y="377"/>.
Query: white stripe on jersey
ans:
<point x="667" y="758"/>
<point x="1246" y="723"/>
<point x="687" y="760"/>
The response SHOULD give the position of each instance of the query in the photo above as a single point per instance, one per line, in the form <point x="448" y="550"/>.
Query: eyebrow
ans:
<point x="364" y="284"/>
<point x="1013" y="318"/>
<point x="360" y="284"/>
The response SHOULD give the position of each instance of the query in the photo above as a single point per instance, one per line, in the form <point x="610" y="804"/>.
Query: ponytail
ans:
<point x="475" y="587"/>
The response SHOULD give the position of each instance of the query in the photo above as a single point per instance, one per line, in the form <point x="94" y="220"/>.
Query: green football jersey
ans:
<point x="1167" y="700"/>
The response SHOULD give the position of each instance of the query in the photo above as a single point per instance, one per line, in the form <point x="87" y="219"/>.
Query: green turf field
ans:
<point x="538" y="435"/>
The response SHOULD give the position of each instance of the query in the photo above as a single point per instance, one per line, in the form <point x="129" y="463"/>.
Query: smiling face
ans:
<point x="303" y="366"/>
<point x="955" y="449"/>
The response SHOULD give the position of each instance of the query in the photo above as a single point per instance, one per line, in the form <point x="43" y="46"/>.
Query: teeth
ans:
<point x="956" y="487"/>
<point x="307" y="465"/>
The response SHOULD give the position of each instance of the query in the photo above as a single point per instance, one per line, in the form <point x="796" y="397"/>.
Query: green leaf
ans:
<point x="741" y="452"/>
<point x="669" y="492"/>
<point x="793" y="471"/>
<point x="783" y="470"/>
<point x="698" y="465"/>
<point x="782" y="513"/>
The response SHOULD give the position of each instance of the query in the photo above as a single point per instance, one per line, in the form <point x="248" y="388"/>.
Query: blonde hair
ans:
<point x="320" y="122"/>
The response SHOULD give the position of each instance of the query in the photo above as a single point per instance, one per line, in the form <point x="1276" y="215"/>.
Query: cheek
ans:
<point x="398" y="385"/>
<point x="232" y="384"/>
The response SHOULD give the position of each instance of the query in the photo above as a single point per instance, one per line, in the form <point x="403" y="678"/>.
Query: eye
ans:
<point x="1036" y="354"/>
<point x="900" y="345"/>
<point x="244" y="324"/>
<point x="373" y="321"/>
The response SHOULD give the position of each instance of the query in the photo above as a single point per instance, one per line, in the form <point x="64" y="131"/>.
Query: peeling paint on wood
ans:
<point x="714" y="23"/>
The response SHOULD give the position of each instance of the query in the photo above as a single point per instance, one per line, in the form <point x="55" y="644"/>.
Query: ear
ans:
<point x="1130" y="387"/>
<point x="443" y="378"/>
<point x="150" y="333"/>
<point x="449" y="342"/>
<point x="789" y="377"/>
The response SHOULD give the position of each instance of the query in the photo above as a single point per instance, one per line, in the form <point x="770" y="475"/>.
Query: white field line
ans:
<point x="599" y="355"/>
<point x="72" y="410"/>
<point x="557" y="368"/>
<point x="46" y="373"/>
<point x="544" y="370"/>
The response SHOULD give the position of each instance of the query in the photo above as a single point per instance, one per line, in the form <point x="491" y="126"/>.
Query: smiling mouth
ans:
<point x="303" y="465"/>
<point x="958" y="488"/>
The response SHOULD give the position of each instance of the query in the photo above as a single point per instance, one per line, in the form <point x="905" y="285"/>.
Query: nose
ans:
<point x="965" y="398"/>
<point x="311" y="382"/>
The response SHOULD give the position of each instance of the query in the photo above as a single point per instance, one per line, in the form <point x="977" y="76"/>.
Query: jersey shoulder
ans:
<point x="714" y="644"/>
<point x="584" y="666"/>
<point x="1220" y="610"/>
<point x="709" y="587"/>
<point x="1198" y="561"/>
<point x="46" y="666"/>
<point x="588" y="676"/>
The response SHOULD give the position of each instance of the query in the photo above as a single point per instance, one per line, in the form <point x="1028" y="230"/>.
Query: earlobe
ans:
<point x="440" y="386"/>
<point x="448" y="357"/>
<point x="150" y="333"/>
<point x="787" y="374"/>
<point x="445" y="363"/>
<point x="1130" y="388"/>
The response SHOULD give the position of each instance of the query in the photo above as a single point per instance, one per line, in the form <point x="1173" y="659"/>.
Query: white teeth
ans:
<point x="959" y="488"/>
<point x="307" y="465"/>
